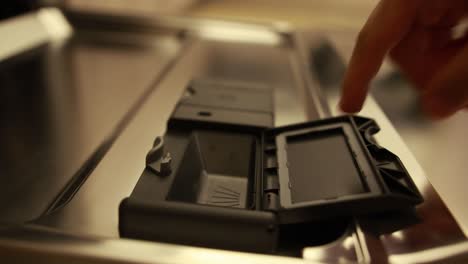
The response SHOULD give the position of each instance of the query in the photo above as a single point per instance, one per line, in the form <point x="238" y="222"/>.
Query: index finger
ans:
<point x="386" y="26"/>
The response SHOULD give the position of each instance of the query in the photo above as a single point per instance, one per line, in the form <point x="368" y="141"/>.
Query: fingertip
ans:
<point x="353" y="93"/>
<point x="349" y="107"/>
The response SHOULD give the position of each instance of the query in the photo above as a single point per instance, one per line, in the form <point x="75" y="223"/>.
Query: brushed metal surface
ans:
<point x="61" y="104"/>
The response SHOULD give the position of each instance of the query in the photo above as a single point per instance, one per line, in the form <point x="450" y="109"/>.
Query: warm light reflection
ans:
<point x="239" y="34"/>
<point x="348" y="243"/>
<point x="168" y="253"/>
<point x="316" y="253"/>
<point x="398" y="235"/>
<point x="55" y="23"/>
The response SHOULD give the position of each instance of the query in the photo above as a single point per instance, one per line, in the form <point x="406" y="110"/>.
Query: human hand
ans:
<point x="417" y="34"/>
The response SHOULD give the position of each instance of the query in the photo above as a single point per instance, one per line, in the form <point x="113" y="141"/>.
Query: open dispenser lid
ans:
<point x="332" y="167"/>
<point x="222" y="177"/>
